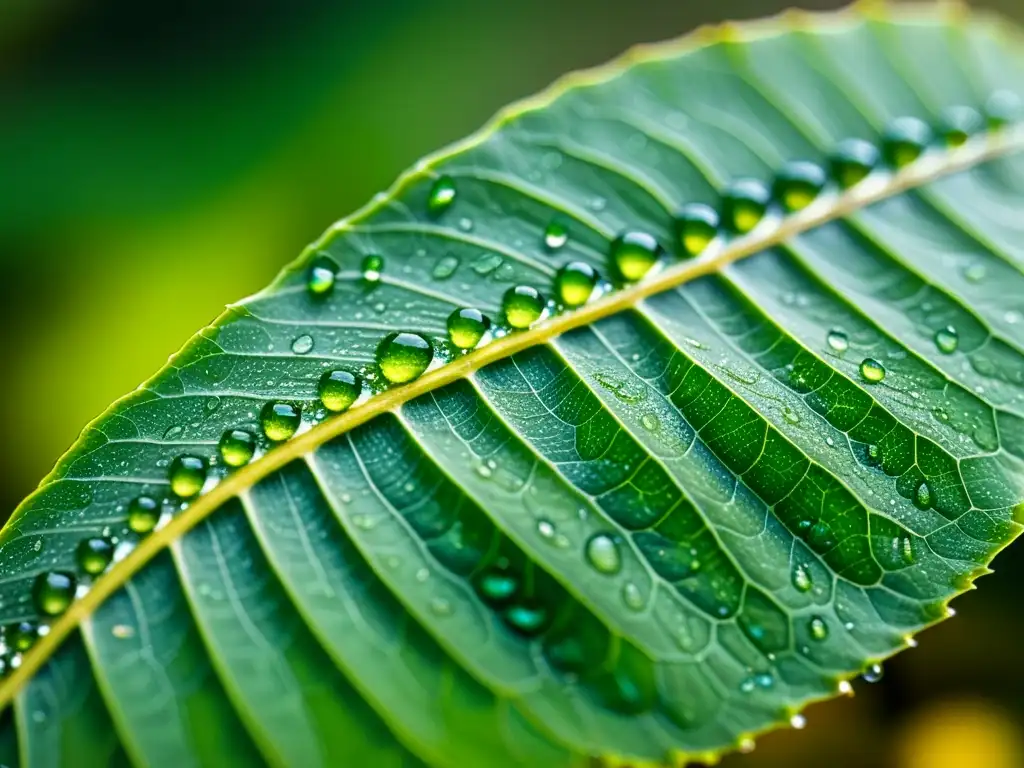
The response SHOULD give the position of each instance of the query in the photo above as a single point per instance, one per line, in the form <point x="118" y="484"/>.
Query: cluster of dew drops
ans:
<point x="402" y="357"/>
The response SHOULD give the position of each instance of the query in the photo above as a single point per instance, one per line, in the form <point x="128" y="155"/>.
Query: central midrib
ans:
<point x="772" y="231"/>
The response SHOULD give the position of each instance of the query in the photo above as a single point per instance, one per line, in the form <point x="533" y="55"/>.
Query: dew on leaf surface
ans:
<point x="947" y="340"/>
<point x="797" y="185"/>
<point x="187" y="476"/>
<point x="302" y="345"/>
<point x="403" y="356"/>
<point x="338" y="389"/>
<point x="372" y="266"/>
<point x="53" y="592"/>
<point x="696" y="225"/>
<point x="574" y="283"/>
<point x="522" y="306"/>
<point x="441" y="196"/>
<point x="873" y="673"/>
<point x="818" y="628"/>
<point x="904" y="140"/>
<point x="633" y="254"/>
<point x="236" y="447"/>
<point x="556" y="235"/>
<point x="871" y="370"/>
<point x="466" y="327"/>
<point x="838" y="341"/>
<point x="744" y="203"/>
<point x="603" y="554"/>
<point x="852" y="161"/>
<point x="22" y="636"/>
<point x="94" y="554"/>
<point x="279" y="420"/>
<point x="321" y="275"/>
<point x="143" y="514"/>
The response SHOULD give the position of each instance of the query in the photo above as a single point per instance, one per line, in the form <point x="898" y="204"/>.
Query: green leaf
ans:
<point x="645" y="528"/>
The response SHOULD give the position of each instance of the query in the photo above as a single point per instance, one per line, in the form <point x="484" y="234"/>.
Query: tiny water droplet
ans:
<point x="696" y="226"/>
<point x="871" y="370"/>
<point x="797" y="185"/>
<point x="440" y="607"/>
<point x="528" y="619"/>
<point x="923" y="497"/>
<point x="838" y="341"/>
<point x="801" y="579"/>
<point x="497" y="585"/>
<point x="958" y="123"/>
<point x="303" y="344"/>
<point x="445" y="267"/>
<point x="466" y="224"/>
<point x="556" y="234"/>
<point x="603" y="554"/>
<point x="279" y="420"/>
<point x="22" y="636"/>
<point x="122" y="631"/>
<point x="94" y="555"/>
<point x="790" y="415"/>
<point x="53" y="592"/>
<point x="852" y="161"/>
<point x="947" y="340"/>
<point x="975" y="273"/>
<point x="546" y="529"/>
<point x="650" y="422"/>
<point x="522" y="306"/>
<point x="321" y="275"/>
<point x="187" y="475"/>
<point x="143" y="514"/>
<point x="574" y="283"/>
<point x="632" y="596"/>
<point x="845" y="688"/>
<point x="633" y="254"/>
<point x="798" y="721"/>
<point x="403" y="357"/>
<point x="818" y="628"/>
<point x="904" y="140"/>
<point x="441" y="196"/>
<point x="338" y="389"/>
<point x="873" y="673"/>
<point x="744" y="203"/>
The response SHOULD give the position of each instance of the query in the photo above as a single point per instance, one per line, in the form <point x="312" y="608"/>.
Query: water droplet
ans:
<point x="797" y="185"/>
<point x="696" y="226"/>
<point x="650" y="422"/>
<point x="791" y="416"/>
<point x="556" y="234"/>
<point x="633" y="254"/>
<point x="441" y="196"/>
<point x="403" y="357"/>
<point x="94" y="555"/>
<point x="320" y="276"/>
<point x="873" y="673"/>
<point x="603" y="554"/>
<point x="466" y="327"/>
<point x="143" y="514"/>
<point x="1002" y="107"/>
<point x="818" y="628"/>
<point x="522" y="306"/>
<point x="852" y="161"/>
<point x="529" y="619"/>
<point x="372" y="266"/>
<point x="574" y="283"/>
<point x="445" y="267"/>
<point x="303" y="344"/>
<point x="871" y="370"/>
<point x="236" y="447"/>
<point x="744" y="203"/>
<point x="546" y="529"/>
<point x="958" y="123"/>
<point x="280" y="421"/>
<point x="122" y="631"/>
<point x="22" y="636"/>
<point x="947" y="340"/>
<point x="845" y="688"/>
<point x="904" y="140"/>
<point x="874" y="454"/>
<point x="632" y="596"/>
<point x="838" y="341"/>
<point x="745" y="746"/>
<point x="441" y="607"/>
<point x="465" y="224"/>
<point x="338" y="389"/>
<point x="801" y="578"/>
<point x="53" y="592"/>
<point x="923" y="497"/>
<point x="764" y="680"/>
<point x="975" y="273"/>
<point x="187" y="475"/>
<point x="497" y="585"/>
<point x="797" y="721"/>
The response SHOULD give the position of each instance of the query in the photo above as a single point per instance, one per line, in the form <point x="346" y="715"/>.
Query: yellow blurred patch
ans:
<point x="960" y="734"/>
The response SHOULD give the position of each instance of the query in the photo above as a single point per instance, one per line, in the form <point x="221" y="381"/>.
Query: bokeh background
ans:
<point x="159" y="159"/>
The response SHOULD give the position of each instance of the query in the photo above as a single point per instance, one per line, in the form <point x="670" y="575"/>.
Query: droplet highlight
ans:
<point x="441" y="196"/>
<point x="838" y="341"/>
<point x="947" y="340"/>
<point x="556" y="235"/>
<point x="321" y="275"/>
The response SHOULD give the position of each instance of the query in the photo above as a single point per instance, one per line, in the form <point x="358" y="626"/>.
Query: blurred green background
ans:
<point x="160" y="159"/>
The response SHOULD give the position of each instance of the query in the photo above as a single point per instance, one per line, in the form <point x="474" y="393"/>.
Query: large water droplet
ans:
<point x="873" y="673"/>
<point x="441" y="196"/>
<point x="338" y="389"/>
<point x="696" y="226"/>
<point x="852" y="161"/>
<point x="603" y="554"/>
<point x="574" y="283"/>
<point x="280" y="421"/>
<point x="522" y="306"/>
<point x="94" y="555"/>
<point x="556" y="234"/>
<point x="403" y="357"/>
<point x="321" y="274"/>
<point x="143" y="514"/>
<point x="236" y="447"/>
<point x="744" y="203"/>
<point x="838" y="341"/>
<point x="633" y="254"/>
<point x="797" y="185"/>
<point x="947" y="340"/>
<point x="958" y="123"/>
<point x="818" y="628"/>
<point x="53" y="592"/>
<point x="871" y="370"/>
<point x="801" y="578"/>
<point x="302" y="345"/>
<point x="187" y="475"/>
<point x="22" y="636"/>
<point x="1002" y="107"/>
<point x="904" y="140"/>
<point x="466" y="327"/>
<point x="923" y="496"/>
